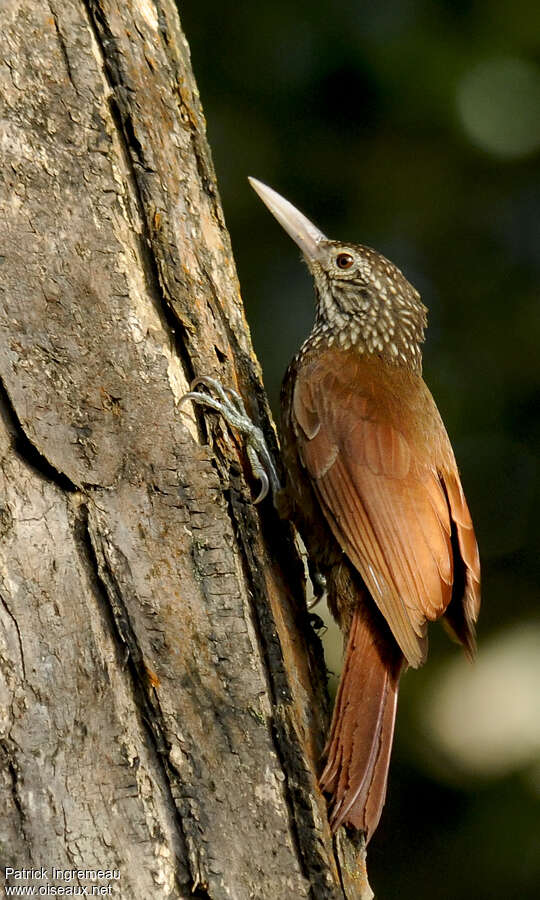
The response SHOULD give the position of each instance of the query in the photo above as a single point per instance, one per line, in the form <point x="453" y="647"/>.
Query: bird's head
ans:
<point x="363" y="300"/>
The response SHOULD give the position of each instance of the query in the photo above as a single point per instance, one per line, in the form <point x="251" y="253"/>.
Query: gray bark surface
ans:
<point x="162" y="696"/>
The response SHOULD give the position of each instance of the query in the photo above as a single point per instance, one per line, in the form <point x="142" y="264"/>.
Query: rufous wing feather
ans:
<point x="462" y="612"/>
<point x="383" y="501"/>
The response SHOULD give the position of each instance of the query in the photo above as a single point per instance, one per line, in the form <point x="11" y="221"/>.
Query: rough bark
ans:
<point x="162" y="698"/>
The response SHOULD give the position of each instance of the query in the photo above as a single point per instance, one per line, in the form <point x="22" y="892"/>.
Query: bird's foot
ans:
<point x="318" y="582"/>
<point x="230" y="405"/>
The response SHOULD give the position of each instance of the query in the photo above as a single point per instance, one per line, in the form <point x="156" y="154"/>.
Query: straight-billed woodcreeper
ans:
<point x="373" y="488"/>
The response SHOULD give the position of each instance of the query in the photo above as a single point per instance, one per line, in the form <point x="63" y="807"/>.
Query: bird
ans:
<point x="373" y="488"/>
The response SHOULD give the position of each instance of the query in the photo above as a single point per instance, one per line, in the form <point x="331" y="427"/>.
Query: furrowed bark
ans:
<point x="162" y="696"/>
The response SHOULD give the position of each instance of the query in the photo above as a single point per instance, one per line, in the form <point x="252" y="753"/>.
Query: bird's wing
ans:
<point x="388" y="511"/>
<point x="463" y="611"/>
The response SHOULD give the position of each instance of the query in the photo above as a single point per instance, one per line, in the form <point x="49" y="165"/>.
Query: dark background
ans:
<point x="414" y="127"/>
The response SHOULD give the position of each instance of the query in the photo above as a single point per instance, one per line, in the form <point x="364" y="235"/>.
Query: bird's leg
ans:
<point x="230" y="405"/>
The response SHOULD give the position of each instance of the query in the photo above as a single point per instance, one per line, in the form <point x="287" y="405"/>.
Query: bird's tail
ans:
<point x="360" y="742"/>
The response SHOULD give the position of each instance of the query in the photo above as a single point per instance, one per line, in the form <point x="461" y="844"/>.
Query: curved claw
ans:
<point x="265" y="485"/>
<point x="230" y="404"/>
<point x="211" y="383"/>
<point x="201" y="379"/>
<point x="205" y="399"/>
<point x="191" y="395"/>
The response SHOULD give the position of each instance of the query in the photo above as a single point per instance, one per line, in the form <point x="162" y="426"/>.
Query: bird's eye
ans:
<point x="344" y="260"/>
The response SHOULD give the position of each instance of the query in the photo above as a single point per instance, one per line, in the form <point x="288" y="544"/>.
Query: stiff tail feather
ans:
<point x="360" y="742"/>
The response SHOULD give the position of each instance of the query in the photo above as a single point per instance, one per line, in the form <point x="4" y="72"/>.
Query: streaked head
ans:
<point x="362" y="298"/>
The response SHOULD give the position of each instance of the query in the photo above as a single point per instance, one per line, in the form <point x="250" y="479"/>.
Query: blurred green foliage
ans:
<point x="413" y="127"/>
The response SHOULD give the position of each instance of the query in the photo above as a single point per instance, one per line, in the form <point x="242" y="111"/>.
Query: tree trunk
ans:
<point x="162" y="699"/>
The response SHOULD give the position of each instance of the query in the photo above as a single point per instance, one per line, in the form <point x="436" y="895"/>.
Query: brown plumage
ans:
<point x="376" y="496"/>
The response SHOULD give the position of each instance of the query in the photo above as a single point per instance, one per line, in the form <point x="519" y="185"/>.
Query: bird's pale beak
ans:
<point x="303" y="232"/>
